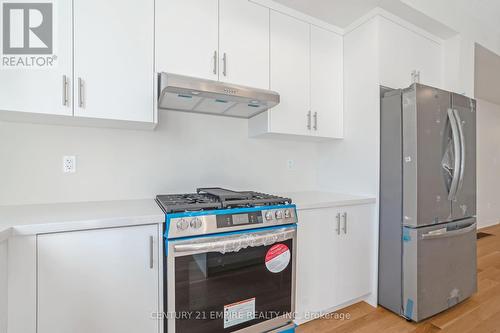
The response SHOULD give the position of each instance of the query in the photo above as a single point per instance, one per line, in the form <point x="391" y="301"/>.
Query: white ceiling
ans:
<point x="486" y="11"/>
<point x="343" y="12"/>
<point x="338" y="12"/>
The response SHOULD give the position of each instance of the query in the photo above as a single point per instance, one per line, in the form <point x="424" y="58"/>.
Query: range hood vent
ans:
<point x="184" y="93"/>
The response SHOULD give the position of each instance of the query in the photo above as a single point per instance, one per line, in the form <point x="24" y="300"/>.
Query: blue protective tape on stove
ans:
<point x="289" y="330"/>
<point x="409" y="309"/>
<point x="406" y="235"/>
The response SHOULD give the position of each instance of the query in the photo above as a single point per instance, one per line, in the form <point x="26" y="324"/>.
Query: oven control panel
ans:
<point x="217" y="223"/>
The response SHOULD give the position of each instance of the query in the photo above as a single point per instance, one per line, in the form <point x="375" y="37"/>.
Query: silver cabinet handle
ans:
<point x="151" y="252"/>
<point x="338" y="224"/>
<point x="344" y="216"/>
<point x="65" y="85"/>
<point x="215" y="62"/>
<point x="224" y="63"/>
<point x="81" y="97"/>
<point x="309" y="120"/>
<point x="315" y="121"/>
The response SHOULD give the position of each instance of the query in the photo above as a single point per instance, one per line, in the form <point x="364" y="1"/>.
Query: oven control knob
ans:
<point x="195" y="223"/>
<point x="279" y="214"/>
<point x="288" y="213"/>
<point x="269" y="216"/>
<point x="182" y="224"/>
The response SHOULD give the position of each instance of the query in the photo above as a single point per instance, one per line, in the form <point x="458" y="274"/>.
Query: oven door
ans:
<point x="241" y="282"/>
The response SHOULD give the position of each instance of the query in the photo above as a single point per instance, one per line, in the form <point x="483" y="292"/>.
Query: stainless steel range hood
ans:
<point x="184" y="93"/>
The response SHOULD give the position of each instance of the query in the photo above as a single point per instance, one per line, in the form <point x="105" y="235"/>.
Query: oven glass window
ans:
<point x="208" y="284"/>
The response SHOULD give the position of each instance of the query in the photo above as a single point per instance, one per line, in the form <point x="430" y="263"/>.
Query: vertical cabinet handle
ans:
<point x="309" y="120"/>
<point x="315" y="121"/>
<point x="338" y="224"/>
<point x="81" y="97"/>
<point x="224" y="64"/>
<point x="215" y="62"/>
<point x="65" y="84"/>
<point x="151" y="252"/>
<point x="344" y="216"/>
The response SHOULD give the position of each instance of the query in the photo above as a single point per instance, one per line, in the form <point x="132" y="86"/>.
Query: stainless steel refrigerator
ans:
<point x="427" y="247"/>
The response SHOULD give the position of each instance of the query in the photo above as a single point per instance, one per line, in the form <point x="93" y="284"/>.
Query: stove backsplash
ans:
<point x="186" y="151"/>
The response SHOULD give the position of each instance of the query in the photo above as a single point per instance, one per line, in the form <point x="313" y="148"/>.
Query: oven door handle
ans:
<point x="235" y="243"/>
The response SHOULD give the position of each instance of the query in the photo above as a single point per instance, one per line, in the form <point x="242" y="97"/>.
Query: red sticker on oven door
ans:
<point x="278" y="258"/>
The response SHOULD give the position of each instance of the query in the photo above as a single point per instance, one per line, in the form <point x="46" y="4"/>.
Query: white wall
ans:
<point x="488" y="163"/>
<point x="3" y="286"/>
<point x="352" y="165"/>
<point x="467" y="17"/>
<point x="185" y="152"/>
<point x="487" y="75"/>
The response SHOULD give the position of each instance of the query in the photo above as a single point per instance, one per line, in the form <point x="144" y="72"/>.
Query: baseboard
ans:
<point x="364" y="298"/>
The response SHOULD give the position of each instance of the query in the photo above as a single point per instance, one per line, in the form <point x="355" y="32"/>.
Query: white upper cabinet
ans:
<point x="226" y="40"/>
<point x="403" y="51"/>
<point x="326" y="83"/>
<point x="307" y="71"/>
<point x="187" y="37"/>
<point x="290" y="74"/>
<point x="244" y="43"/>
<point x="113" y="59"/>
<point x="41" y="90"/>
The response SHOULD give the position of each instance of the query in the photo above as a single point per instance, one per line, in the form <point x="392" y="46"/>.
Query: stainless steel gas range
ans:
<point x="229" y="262"/>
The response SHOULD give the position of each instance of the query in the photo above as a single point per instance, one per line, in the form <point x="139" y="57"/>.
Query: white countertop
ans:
<point x="36" y="219"/>
<point x="318" y="199"/>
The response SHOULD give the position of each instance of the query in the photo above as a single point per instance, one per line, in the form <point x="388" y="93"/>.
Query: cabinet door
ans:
<point x="187" y="37"/>
<point x="98" y="281"/>
<point x="290" y="74"/>
<point x="113" y="59"/>
<point x="41" y="90"/>
<point x="326" y="83"/>
<point x="403" y="51"/>
<point x="353" y="253"/>
<point x="316" y="262"/>
<point x="244" y="43"/>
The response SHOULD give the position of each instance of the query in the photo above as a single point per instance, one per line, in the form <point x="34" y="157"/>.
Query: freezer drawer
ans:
<point x="439" y="267"/>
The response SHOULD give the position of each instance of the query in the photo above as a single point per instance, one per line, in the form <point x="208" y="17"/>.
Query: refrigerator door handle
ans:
<point x="456" y="164"/>
<point x="443" y="233"/>
<point x="462" y="151"/>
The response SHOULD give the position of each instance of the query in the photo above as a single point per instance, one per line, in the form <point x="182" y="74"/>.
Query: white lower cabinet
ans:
<point x="99" y="281"/>
<point x="334" y="265"/>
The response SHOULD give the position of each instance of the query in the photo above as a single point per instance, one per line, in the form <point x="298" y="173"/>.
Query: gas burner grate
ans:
<point x="172" y="203"/>
<point x="217" y="198"/>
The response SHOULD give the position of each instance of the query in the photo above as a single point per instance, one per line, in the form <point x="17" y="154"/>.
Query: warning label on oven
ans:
<point x="278" y="258"/>
<point x="239" y="312"/>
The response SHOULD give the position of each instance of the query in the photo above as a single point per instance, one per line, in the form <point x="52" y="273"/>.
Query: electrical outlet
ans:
<point x="290" y="164"/>
<point x="69" y="164"/>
